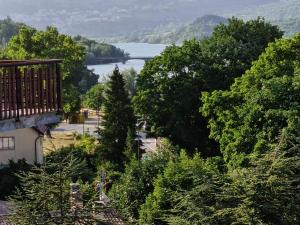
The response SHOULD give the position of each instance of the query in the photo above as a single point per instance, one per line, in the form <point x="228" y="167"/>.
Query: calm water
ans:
<point x="134" y="49"/>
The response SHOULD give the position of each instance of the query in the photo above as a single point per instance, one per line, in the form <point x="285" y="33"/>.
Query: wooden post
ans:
<point x="58" y="89"/>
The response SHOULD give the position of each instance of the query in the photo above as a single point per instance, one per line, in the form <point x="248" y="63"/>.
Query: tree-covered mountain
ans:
<point x="200" y="28"/>
<point x="102" y="18"/>
<point x="284" y="13"/>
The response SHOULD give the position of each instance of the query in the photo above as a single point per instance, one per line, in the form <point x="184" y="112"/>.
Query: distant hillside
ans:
<point x="200" y="28"/>
<point x="285" y="14"/>
<point x="108" y="18"/>
<point x="95" y="50"/>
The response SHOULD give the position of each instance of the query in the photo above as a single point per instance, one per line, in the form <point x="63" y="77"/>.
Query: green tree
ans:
<point x="131" y="190"/>
<point x="130" y="77"/>
<point x="93" y="99"/>
<point x="44" y="196"/>
<point x="170" y="84"/>
<point x="267" y="191"/>
<point x="248" y="119"/>
<point x="117" y="120"/>
<point x="170" y="203"/>
<point x="194" y="191"/>
<point x="72" y="101"/>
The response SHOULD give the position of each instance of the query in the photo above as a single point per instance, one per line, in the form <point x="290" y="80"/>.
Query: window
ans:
<point x="7" y="143"/>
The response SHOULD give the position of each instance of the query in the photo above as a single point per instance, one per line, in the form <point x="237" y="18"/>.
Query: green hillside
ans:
<point x="200" y="28"/>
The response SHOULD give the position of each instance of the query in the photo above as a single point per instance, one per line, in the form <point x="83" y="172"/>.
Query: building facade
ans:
<point x="26" y="143"/>
<point x="30" y="99"/>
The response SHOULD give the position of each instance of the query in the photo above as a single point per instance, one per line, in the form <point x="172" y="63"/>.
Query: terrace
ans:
<point x="30" y="93"/>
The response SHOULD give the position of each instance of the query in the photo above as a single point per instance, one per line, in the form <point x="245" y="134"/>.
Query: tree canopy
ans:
<point x="94" y="98"/>
<point x="193" y="191"/>
<point x="169" y="85"/>
<point x="248" y="118"/>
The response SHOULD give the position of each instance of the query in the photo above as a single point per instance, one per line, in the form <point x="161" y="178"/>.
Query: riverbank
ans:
<point x="135" y="50"/>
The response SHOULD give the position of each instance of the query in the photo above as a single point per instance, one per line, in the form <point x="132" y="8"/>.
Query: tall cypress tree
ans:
<point x="118" y="119"/>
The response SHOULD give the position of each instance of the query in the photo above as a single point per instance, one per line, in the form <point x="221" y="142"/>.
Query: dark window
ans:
<point x="7" y="143"/>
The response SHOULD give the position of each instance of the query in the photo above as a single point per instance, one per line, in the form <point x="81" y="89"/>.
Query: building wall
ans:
<point x="24" y="146"/>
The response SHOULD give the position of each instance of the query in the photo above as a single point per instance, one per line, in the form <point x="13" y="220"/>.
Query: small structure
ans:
<point x="30" y="99"/>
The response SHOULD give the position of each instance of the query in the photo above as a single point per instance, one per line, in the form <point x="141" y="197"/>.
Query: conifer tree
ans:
<point x="118" y="121"/>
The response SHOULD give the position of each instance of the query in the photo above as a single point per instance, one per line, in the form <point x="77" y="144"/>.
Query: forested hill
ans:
<point x="284" y="13"/>
<point x="200" y="28"/>
<point x="96" y="50"/>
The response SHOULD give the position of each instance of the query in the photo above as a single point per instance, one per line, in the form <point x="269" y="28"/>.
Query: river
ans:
<point x="134" y="49"/>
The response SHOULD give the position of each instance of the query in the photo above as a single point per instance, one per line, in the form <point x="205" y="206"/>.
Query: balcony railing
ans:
<point x="29" y="87"/>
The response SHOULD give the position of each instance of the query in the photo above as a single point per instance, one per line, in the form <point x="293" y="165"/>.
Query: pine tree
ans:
<point x="118" y="121"/>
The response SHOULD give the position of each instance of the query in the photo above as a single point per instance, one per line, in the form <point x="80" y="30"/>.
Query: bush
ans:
<point x="130" y="192"/>
<point x="9" y="181"/>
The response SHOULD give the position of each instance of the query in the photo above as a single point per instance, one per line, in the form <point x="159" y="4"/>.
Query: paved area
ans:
<point x="89" y="127"/>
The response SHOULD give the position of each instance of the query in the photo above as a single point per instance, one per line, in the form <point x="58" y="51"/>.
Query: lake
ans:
<point x="134" y="49"/>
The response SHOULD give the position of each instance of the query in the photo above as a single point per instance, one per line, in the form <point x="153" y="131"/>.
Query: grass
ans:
<point x="58" y="140"/>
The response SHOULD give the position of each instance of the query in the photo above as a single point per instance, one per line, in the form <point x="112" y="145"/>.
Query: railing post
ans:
<point x="18" y="91"/>
<point x="59" y="88"/>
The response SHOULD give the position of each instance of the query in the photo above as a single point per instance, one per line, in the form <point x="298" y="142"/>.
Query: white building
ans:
<point x="20" y="144"/>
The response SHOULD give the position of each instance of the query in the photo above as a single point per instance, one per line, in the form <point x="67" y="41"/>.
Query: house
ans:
<point x="30" y="99"/>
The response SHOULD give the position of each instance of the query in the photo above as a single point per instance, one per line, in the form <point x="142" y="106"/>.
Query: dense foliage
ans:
<point x="248" y="118"/>
<point x="193" y="191"/>
<point x="131" y="190"/>
<point x="170" y="84"/>
<point x="9" y="180"/>
<point x="118" y="121"/>
<point x="94" y="97"/>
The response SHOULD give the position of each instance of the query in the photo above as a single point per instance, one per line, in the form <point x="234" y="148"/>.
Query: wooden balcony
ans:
<point x="29" y="87"/>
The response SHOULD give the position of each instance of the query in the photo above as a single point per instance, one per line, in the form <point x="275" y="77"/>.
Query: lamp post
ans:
<point x="82" y="116"/>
